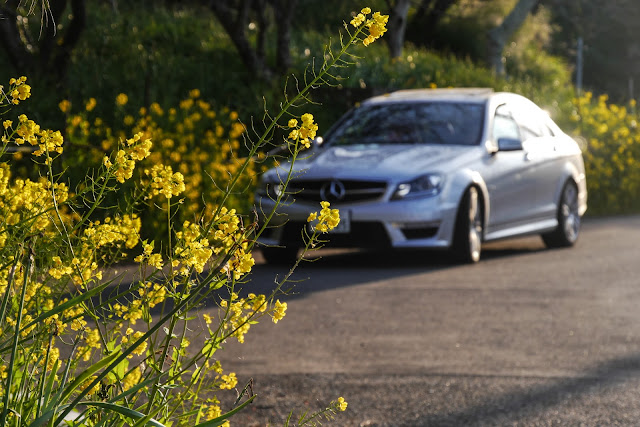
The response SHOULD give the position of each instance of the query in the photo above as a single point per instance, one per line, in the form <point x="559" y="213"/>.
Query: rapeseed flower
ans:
<point x="305" y="132"/>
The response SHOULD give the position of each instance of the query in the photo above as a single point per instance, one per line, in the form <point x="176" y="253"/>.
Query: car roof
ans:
<point x="479" y="95"/>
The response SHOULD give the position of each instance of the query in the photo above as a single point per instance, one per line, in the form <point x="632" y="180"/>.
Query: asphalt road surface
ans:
<point x="528" y="336"/>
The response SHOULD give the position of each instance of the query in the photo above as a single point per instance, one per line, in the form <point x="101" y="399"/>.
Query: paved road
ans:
<point x="528" y="336"/>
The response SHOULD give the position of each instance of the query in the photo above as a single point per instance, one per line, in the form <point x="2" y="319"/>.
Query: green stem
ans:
<point x="16" y="338"/>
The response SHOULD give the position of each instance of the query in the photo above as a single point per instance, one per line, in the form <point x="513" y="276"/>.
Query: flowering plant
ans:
<point x="83" y="345"/>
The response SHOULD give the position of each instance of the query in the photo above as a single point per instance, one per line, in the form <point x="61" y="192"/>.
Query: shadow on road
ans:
<point x="511" y="408"/>
<point x="331" y="269"/>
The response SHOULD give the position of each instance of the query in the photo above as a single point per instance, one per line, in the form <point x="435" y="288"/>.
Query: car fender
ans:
<point x="459" y="185"/>
<point x="574" y="172"/>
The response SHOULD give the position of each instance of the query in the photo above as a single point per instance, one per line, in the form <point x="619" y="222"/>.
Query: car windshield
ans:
<point x="450" y="123"/>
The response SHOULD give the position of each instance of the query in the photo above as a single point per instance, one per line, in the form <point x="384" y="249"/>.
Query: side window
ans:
<point x="504" y="126"/>
<point x="532" y="121"/>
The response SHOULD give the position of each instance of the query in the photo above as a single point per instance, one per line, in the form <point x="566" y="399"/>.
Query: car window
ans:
<point x="504" y="126"/>
<point x="532" y="121"/>
<point x="447" y="123"/>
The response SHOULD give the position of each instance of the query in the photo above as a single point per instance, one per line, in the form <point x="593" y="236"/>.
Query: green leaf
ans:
<point x="62" y="307"/>
<point x="218" y="421"/>
<point x="136" y="388"/>
<point x="87" y="373"/>
<point x="131" y="413"/>
<point x="46" y="417"/>
<point x="49" y="385"/>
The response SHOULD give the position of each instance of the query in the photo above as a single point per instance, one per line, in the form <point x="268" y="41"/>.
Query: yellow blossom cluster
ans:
<point x="241" y="263"/>
<point x="342" y="404"/>
<point x="202" y="144"/>
<point x="23" y="201"/>
<point x="136" y="149"/>
<point x="165" y="182"/>
<point x="226" y="230"/>
<point x="305" y="132"/>
<point x="377" y="24"/>
<point x="228" y="381"/>
<point x="153" y="259"/>
<point x="132" y="378"/>
<point x="18" y="91"/>
<point x="121" y="232"/>
<point x="27" y="131"/>
<point x="240" y="312"/>
<point x="122" y="99"/>
<point x="611" y="152"/>
<point x="327" y="220"/>
<point x="132" y="336"/>
<point x="121" y="229"/>
<point x="192" y="250"/>
<point x="279" y="311"/>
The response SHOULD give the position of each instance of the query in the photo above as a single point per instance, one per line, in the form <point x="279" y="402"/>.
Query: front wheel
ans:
<point x="566" y="234"/>
<point x="467" y="240"/>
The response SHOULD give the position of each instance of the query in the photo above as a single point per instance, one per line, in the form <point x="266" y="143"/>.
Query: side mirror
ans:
<point x="509" y="144"/>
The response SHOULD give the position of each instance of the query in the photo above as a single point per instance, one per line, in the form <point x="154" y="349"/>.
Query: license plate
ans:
<point x="344" y="226"/>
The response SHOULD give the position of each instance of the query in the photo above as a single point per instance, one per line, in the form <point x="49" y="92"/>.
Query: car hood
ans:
<point x="387" y="161"/>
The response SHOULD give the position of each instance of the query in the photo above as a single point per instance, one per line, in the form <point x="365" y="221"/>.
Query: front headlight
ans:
<point x="423" y="186"/>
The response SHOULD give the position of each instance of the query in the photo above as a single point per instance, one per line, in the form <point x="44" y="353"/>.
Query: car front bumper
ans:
<point x="412" y="223"/>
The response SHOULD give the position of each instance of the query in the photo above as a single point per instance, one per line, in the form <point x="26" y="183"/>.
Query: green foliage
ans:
<point x="207" y="147"/>
<point x="611" y="152"/>
<point x="78" y="345"/>
<point x="157" y="54"/>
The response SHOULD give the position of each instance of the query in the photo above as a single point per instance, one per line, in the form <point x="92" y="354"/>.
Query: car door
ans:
<point x="545" y="163"/>
<point x="509" y="176"/>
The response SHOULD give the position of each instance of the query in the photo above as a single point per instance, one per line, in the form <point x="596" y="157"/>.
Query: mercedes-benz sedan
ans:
<point x="434" y="168"/>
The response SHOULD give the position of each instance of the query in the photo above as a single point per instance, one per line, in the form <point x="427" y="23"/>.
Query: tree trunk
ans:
<point x="421" y="30"/>
<point x="397" y="26"/>
<point x="50" y="53"/>
<point x="235" y="28"/>
<point x="498" y="36"/>
<point x="235" y="17"/>
<point x="19" y="56"/>
<point x="283" y="10"/>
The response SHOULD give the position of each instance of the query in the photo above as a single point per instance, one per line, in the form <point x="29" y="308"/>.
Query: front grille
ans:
<point x="363" y="234"/>
<point x="336" y="191"/>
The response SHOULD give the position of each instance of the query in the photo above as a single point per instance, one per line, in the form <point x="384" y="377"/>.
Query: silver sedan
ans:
<point x="434" y="168"/>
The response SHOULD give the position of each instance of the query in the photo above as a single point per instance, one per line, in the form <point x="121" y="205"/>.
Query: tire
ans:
<point x="568" y="230"/>
<point x="280" y="255"/>
<point x="469" y="229"/>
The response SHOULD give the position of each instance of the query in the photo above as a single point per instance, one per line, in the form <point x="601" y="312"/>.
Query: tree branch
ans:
<point x="498" y="36"/>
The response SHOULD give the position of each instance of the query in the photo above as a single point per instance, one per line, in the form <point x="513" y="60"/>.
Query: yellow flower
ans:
<point x="64" y="106"/>
<point x="166" y="182"/>
<point x="91" y="104"/>
<point x="377" y="26"/>
<point x="358" y="20"/>
<point x="279" y="311"/>
<point x="229" y="381"/>
<point x="328" y="219"/>
<point x="21" y="92"/>
<point x="131" y="379"/>
<point x="122" y="99"/>
<point x="342" y="404"/>
<point x="306" y="132"/>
